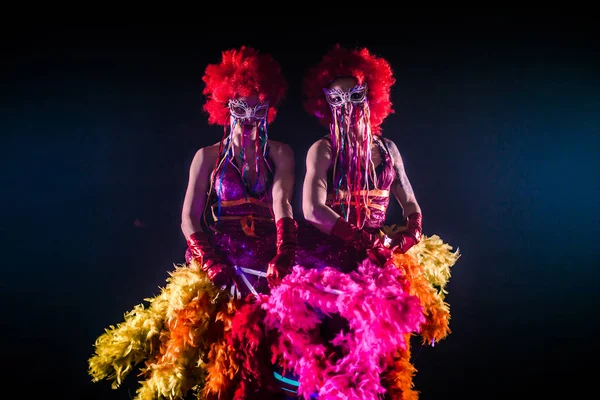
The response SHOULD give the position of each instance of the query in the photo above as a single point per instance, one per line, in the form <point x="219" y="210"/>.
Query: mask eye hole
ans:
<point x="356" y="96"/>
<point x="237" y="110"/>
<point x="334" y="99"/>
<point x="261" y="112"/>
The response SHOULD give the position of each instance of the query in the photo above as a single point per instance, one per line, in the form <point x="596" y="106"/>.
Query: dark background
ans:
<point x="497" y="119"/>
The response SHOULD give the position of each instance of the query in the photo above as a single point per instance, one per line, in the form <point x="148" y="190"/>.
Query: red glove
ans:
<point x="218" y="271"/>
<point x="403" y="241"/>
<point x="362" y="241"/>
<point x="287" y="242"/>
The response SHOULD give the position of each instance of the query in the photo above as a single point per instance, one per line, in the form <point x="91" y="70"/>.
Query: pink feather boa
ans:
<point x="380" y="313"/>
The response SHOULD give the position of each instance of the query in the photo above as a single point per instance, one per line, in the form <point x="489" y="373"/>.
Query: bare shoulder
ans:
<point x="392" y="147"/>
<point x="205" y="156"/>
<point x="280" y="150"/>
<point x="395" y="154"/>
<point x="319" y="155"/>
<point x="321" y="148"/>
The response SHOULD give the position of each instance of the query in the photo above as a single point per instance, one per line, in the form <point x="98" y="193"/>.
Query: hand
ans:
<point x="353" y="236"/>
<point x="279" y="267"/>
<point x="222" y="275"/>
<point x="287" y="241"/>
<point x="364" y="242"/>
<point x="380" y="254"/>
<point x="403" y="241"/>
<point x="230" y="280"/>
<point x="200" y="249"/>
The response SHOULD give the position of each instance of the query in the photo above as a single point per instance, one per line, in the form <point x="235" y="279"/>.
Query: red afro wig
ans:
<point x="367" y="68"/>
<point x="242" y="72"/>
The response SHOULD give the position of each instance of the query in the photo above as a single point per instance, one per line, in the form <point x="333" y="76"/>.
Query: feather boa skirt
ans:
<point x="193" y="337"/>
<point x="383" y="308"/>
<point x="184" y="340"/>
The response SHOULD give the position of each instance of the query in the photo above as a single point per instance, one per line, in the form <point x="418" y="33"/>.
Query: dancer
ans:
<point x="345" y="316"/>
<point x="204" y="331"/>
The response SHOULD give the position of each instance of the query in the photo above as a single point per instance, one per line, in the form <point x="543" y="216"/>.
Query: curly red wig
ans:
<point x="242" y="72"/>
<point x="367" y="68"/>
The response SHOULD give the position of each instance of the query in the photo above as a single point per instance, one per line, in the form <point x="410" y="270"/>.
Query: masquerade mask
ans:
<point x="336" y="97"/>
<point x="240" y="109"/>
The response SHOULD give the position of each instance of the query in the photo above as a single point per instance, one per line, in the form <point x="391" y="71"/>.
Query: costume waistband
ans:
<point x="239" y="202"/>
<point x="342" y="194"/>
<point x="247" y="222"/>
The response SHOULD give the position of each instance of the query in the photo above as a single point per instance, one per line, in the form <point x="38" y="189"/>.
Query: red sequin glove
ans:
<point x="287" y="242"/>
<point x="218" y="271"/>
<point x="403" y="241"/>
<point x="362" y="241"/>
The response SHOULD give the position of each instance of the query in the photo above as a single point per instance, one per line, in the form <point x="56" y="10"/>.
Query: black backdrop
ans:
<point x="497" y="119"/>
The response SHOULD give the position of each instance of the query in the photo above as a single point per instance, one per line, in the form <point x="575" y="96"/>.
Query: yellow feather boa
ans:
<point x="426" y="266"/>
<point x="170" y="335"/>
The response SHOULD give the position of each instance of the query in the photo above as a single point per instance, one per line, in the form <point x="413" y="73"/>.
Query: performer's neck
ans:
<point x="245" y="141"/>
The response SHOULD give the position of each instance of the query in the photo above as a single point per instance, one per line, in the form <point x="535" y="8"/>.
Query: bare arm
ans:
<point x="283" y="181"/>
<point x="401" y="187"/>
<point x="196" y="194"/>
<point x="314" y="191"/>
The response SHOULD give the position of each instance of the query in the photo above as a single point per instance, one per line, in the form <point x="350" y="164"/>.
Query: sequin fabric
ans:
<point x="243" y="228"/>
<point x="318" y="250"/>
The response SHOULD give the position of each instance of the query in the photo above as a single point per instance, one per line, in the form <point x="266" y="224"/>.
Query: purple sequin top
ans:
<point x="242" y="225"/>
<point x="318" y="250"/>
